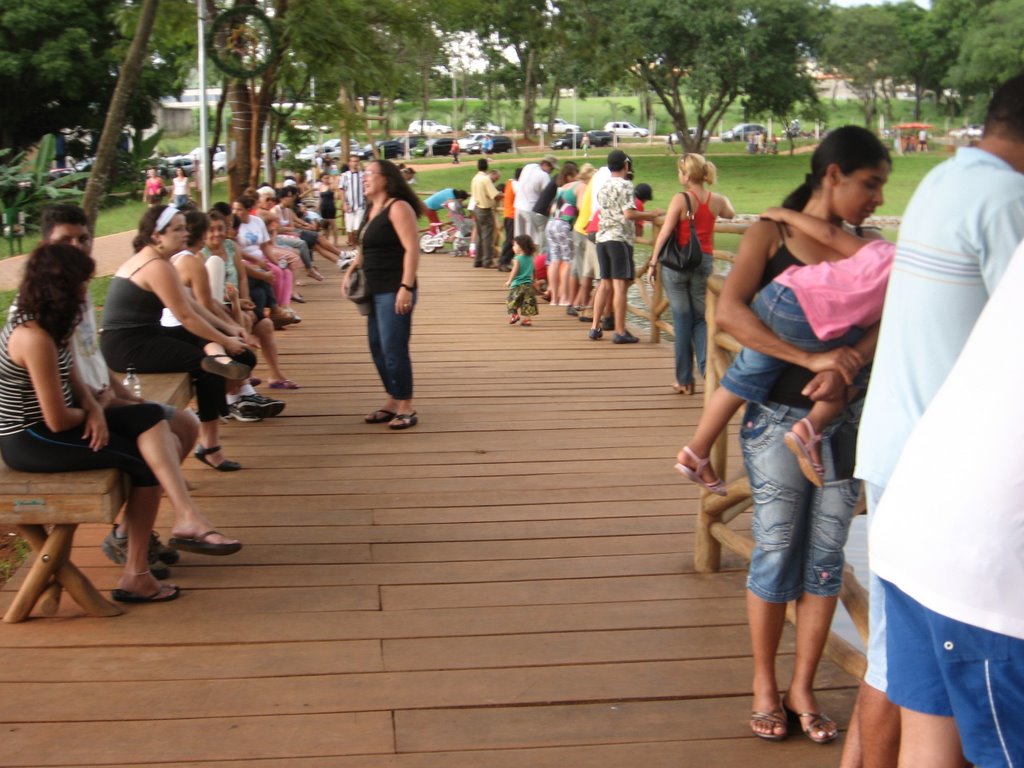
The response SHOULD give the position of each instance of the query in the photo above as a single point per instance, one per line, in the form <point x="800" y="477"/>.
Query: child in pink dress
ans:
<point x="817" y="307"/>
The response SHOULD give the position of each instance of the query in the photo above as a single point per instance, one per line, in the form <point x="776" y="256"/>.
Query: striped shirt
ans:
<point x="19" y="404"/>
<point x="351" y="184"/>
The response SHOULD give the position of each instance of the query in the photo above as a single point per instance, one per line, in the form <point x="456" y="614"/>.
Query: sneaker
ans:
<point x="571" y="310"/>
<point x="116" y="549"/>
<point x="243" y="410"/>
<point x="268" y="405"/>
<point x="624" y="338"/>
<point x="608" y="323"/>
<point x="595" y="334"/>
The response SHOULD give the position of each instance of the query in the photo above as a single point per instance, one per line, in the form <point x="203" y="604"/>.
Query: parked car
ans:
<point x="558" y="125"/>
<point x="744" y="132"/>
<point x="501" y="144"/>
<point x="391" y="148"/>
<point x="429" y="127"/>
<point x="332" y="148"/>
<point x="308" y="153"/>
<point x="600" y="138"/>
<point x="434" y="147"/>
<point x="166" y="166"/>
<point x="481" y="127"/>
<point x="692" y="131"/>
<point x="569" y="141"/>
<point x="220" y="162"/>
<point x="622" y="128"/>
<point x="967" y="132"/>
<point x="469" y="140"/>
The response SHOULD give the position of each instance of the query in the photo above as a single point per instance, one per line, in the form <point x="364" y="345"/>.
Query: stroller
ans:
<point x="457" y="232"/>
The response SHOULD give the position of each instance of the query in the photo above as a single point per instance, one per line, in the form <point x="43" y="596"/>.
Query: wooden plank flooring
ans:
<point x="509" y="584"/>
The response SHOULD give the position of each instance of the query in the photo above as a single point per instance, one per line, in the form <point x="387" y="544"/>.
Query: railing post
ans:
<point x="707" y="557"/>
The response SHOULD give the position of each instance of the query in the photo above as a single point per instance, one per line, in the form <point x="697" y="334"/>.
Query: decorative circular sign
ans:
<point x="242" y="42"/>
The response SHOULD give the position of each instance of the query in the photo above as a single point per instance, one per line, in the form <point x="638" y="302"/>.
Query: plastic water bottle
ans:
<point x="472" y="250"/>
<point x="132" y="382"/>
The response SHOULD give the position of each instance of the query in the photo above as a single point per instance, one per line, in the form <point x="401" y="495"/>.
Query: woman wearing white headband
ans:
<point x="132" y="334"/>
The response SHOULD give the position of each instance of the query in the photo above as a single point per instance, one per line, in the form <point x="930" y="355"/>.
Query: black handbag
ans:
<point x="358" y="290"/>
<point x="682" y="259"/>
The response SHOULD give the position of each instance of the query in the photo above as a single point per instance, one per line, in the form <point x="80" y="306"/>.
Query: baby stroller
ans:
<point x="457" y="233"/>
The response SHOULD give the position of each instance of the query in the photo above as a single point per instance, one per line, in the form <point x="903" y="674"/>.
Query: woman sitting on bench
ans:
<point x="50" y="421"/>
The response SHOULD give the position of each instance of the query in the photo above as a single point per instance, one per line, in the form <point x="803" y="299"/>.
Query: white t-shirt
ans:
<point x="179" y="186"/>
<point x="251" y="235"/>
<point x="949" y="530"/>
<point x="532" y="181"/>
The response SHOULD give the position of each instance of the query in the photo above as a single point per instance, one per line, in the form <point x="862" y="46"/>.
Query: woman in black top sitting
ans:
<point x="389" y="254"/>
<point x="202" y="346"/>
<point x="799" y="530"/>
<point x="51" y="422"/>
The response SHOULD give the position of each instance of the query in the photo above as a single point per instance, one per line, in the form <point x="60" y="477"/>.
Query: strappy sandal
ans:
<point x="774" y="719"/>
<point x="404" y="421"/>
<point x="716" y="486"/>
<point x="379" y="416"/>
<point x="821" y="729"/>
<point x="813" y="470"/>
<point x="226" y="465"/>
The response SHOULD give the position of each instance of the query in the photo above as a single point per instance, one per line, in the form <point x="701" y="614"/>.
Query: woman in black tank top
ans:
<point x="799" y="531"/>
<point x="389" y="256"/>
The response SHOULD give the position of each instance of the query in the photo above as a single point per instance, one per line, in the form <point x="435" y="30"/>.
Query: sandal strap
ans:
<point x="815" y="437"/>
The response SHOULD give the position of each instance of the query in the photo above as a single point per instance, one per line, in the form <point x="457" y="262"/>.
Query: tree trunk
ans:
<point x="106" y="153"/>
<point x="240" y="167"/>
<point x="529" y="97"/>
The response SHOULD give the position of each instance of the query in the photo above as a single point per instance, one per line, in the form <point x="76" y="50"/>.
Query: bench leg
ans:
<point x="53" y="566"/>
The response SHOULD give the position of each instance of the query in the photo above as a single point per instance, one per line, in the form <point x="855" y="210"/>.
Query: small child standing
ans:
<point x="522" y="294"/>
<point x="820" y="307"/>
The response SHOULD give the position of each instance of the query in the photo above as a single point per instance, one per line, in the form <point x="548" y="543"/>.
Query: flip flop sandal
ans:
<point x="200" y="546"/>
<point x="223" y="365"/>
<point x="379" y="417"/>
<point x="404" y="421"/>
<point x="716" y="486"/>
<point x="773" y="720"/>
<point x="813" y="470"/>
<point x="283" y="384"/>
<point x="165" y="594"/>
<point x="821" y="729"/>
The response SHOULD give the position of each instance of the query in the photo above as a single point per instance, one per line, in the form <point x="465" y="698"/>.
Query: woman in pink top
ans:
<point x="819" y="307"/>
<point x="686" y="290"/>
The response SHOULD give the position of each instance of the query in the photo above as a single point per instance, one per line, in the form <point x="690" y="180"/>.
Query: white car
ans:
<point x="469" y="140"/>
<point x="558" y="125"/>
<point x="220" y="162"/>
<point x="308" y="154"/>
<point x="622" y="128"/>
<point x="485" y="127"/>
<point x="429" y="127"/>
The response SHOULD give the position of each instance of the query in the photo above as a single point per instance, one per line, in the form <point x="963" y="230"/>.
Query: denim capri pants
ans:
<point x="799" y="530"/>
<point x="753" y="374"/>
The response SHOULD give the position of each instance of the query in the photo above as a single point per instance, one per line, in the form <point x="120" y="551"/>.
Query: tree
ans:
<point x="106" y="153"/>
<point x="709" y="55"/>
<point x="991" y="50"/>
<point x="858" y="47"/>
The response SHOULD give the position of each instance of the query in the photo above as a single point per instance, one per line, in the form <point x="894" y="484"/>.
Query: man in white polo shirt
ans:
<point x="532" y="180"/>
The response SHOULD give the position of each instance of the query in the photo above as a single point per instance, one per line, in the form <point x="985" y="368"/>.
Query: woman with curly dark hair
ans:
<point x="389" y="254"/>
<point x="51" y="422"/>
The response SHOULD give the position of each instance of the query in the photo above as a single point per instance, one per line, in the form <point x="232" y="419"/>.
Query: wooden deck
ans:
<point x="508" y="584"/>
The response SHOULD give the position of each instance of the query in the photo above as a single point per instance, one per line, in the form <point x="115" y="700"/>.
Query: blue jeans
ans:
<point x="753" y="374"/>
<point x="686" y="292"/>
<point x="799" y="530"/>
<point x="389" y="334"/>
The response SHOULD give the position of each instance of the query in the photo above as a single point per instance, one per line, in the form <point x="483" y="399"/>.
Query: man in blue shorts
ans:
<point x="957" y="236"/>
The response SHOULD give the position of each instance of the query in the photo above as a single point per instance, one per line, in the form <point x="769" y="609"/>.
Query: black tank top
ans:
<point x="129" y="306"/>
<point x="383" y="253"/>
<point x="793" y="378"/>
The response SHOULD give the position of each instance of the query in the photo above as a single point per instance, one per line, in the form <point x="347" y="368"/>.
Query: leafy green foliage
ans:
<point x="25" y="185"/>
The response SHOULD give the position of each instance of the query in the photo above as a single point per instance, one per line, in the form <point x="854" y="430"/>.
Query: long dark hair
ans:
<point x="398" y="188"/>
<point x="851" y="148"/>
<point x="51" y="288"/>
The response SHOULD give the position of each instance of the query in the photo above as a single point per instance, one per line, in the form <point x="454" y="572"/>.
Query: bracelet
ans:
<point x="407" y="287"/>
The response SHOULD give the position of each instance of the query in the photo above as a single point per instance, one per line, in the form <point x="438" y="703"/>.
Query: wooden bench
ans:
<point x="63" y="500"/>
